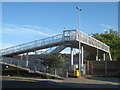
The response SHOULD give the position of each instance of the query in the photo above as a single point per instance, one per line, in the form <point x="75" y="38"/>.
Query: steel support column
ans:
<point x="21" y="56"/>
<point x="71" y="56"/>
<point x="27" y="56"/>
<point x="82" y="56"/>
<point x="97" y="55"/>
<point x="79" y="55"/>
<point x="110" y="56"/>
<point x="104" y="56"/>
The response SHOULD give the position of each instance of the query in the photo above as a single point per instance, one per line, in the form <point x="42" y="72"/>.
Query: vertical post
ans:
<point x="79" y="9"/>
<point x="55" y="71"/>
<point x="97" y="55"/>
<point x="35" y="68"/>
<point x="110" y="56"/>
<point x="84" y="72"/>
<point x="82" y="54"/>
<point x="21" y="56"/>
<point x="79" y="55"/>
<point x="104" y="56"/>
<point x="27" y="56"/>
<point x="92" y="68"/>
<point x="67" y="74"/>
<point x="106" y="68"/>
<point x="71" y="56"/>
<point x="78" y="20"/>
<point x="82" y="57"/>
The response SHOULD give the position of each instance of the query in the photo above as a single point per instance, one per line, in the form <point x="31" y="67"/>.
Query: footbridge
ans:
<point x="69" y="38"/>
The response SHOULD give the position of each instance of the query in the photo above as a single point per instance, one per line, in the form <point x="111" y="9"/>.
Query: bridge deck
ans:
<point x="68" y="36"/>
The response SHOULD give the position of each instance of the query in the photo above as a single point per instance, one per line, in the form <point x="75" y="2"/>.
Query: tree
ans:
<point x="112" y="39"/>
<point x="54" y="61"/>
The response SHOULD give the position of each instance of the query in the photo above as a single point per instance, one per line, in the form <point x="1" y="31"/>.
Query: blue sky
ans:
<point x="28" y="21"/>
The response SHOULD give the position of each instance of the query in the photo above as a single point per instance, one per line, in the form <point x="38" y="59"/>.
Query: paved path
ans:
<point x="81" y="82"/>
<point x="30" y="84"/>
<point x="93" y="82"/>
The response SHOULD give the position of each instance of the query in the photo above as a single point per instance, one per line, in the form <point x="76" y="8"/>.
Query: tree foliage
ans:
<point x="54" y="61"/>
<point x="112" y="39"/>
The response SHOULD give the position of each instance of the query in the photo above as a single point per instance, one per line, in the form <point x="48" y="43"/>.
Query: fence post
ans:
<point x="67" y="74"/>
<point x="61" y="72"/>
<point x="44" y="70"/>
<point x="35" y="68"/>
<point x="105" y="68"/>
<point x="92" y="67"/>
<point x="55" y="71"/>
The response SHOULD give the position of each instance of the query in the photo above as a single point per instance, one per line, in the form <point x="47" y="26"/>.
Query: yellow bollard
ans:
<point x="77" y="73"/>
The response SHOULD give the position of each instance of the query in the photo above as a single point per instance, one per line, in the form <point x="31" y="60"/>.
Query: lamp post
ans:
<point x="79" y="37"/>
<point x="79" y="9"/>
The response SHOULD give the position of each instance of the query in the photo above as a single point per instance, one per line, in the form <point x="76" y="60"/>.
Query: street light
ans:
<point x="79" y="40"/>
<point x="79" y="9"/>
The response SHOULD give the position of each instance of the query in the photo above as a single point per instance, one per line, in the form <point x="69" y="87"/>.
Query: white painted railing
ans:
<point x="33" y="44"/>
<point x="86" y="39"/>
<point x="34" y="66"/>
<point x="68" y="35"/>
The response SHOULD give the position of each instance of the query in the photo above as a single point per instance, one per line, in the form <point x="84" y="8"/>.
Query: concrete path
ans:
<point x="93" y="82"/>
<point x="81" y="82"/>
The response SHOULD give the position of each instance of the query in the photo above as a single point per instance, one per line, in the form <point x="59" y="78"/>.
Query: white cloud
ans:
<point x="5" y="45"/>
<point x="33" y="31"/>
<point x="25" y="30"/>
<point x="31" y="26"/>
<point x="105" y="26"/>
<point x="10" y="32"/>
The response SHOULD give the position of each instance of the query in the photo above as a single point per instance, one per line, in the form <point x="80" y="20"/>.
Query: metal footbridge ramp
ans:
<point x="30" y="66"/>
<point x="69" y="38"/>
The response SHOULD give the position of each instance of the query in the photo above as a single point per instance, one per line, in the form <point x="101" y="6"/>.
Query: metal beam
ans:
<point x="79" y="55"/>
<point x="71" y="56"/>
<point x="104" y="56"/>
<point x="27" y="56"/>
<point x="97" y="55"/>
<point x="110" y="56"/>
<point x="82" y="56"/>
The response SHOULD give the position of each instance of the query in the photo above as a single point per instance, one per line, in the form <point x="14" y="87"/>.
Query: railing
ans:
<point x="22" y="63"/>
<point x="92" y="41"/>
<point x="33" y="44"/>
<point x="57" y="49"/>
<point x="84" y="38"/>
<point x="68" y="35"/>
<point x="43" y="53"/>
<point x="35" y="66"/>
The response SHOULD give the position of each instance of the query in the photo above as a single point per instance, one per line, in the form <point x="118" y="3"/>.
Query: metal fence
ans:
<point x="38" y="67"/>
<point x="103" y="68"/>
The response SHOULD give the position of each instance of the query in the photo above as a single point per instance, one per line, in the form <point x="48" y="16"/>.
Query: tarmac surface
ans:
<point x="81" y="82"/>
<point x="93" y="82"/>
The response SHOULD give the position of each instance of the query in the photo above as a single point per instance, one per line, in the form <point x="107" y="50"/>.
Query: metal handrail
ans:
<point x="84" y="38"/>
<point x="33" y="66"/>
<point x="71" y="35"/>
<point x="33" y="44"/>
